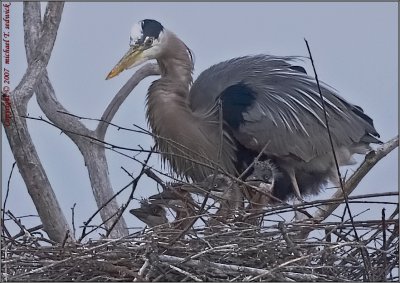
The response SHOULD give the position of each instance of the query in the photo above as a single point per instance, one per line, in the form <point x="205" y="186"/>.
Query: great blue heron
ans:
<point x="150" y="213"/>
<point x="266" y="102"/>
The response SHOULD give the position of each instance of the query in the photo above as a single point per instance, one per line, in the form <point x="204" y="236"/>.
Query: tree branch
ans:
<point x="93" y="152"/>
<point x="145" y="71"/>
<point x="371" y="159"/>
<point x="28" y="162"/>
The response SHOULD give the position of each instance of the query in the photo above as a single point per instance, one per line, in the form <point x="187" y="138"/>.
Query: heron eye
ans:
<point x="149" y="41"/>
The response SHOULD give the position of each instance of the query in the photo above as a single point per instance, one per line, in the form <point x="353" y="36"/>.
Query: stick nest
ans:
<point x="229" y="252"/>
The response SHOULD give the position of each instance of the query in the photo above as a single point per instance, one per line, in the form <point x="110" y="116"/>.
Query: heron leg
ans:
<point x="298" y="216"/>
<point x="296" y="189"/>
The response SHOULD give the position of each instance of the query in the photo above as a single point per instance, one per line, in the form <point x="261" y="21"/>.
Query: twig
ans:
<point x="18" y="222"/>
<point x="371" y="159"/>
<point x="65" y="239"/>
<point x="330" y="138"/>
<point x="195" y="278"/>
<point x="7" y="192"/>
<point x="288" y="241"/>
<point x="134" y="185"/>
<point x="227" y="267"/>
<point x="384" y="247"/>
<point x="142" y="269"/>
<point x="73" y="219"/>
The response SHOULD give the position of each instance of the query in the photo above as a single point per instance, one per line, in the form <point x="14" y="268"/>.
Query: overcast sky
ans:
<point x="354" y="45"/>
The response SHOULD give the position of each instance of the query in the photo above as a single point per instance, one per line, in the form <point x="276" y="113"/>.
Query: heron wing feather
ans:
<point x="268" y="100"/>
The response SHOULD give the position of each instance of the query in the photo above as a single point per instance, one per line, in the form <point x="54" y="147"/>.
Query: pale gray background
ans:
<point x="355" y="46"/>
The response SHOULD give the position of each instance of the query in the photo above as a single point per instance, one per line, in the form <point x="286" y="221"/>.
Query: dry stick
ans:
<point x="134" y="186"/>
<point x="371" y="159"/>
<point x="366" y="261"/>
<point x="18" y="222"/>
<point x="73" y="219"/>
<point x="329" y="131"/>
<point x="7" y="192"/>
<point x="86" y="223"/>
<point x="195" y="278"/>
<point x="65" y="239"/>
<point x="288" y="241"/>
<point x="259" y="273"/>
<point x="142" y="269"/>
<point x="99" y="225"/>
<point x="384" y="247"/>
<point x="316" y="203"/>
<point x="84" y="234"/>
<point x="153" y="176"/>
<point x="118" y="127"/>
<point x="221" y="266"/>
<point x="297" y="259"/>
<point x="30" y="230"/>
<point x="39" y="41"/>
<point x="388" y="221"/>
<point x="112" y="146"/>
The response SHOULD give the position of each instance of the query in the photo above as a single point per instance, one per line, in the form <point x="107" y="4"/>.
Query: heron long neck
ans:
<point x="176" y="62"/>
<point x="182" y="134"/>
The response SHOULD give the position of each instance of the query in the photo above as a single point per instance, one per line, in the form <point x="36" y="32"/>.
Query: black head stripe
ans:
<point x="151" y="28"/>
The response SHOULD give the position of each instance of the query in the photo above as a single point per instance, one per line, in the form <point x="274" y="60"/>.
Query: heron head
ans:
<point x="150" y="213"/>
<point x="145" y="44"/>
<point x="263" y="171"/>
<point x="219" y="185"/>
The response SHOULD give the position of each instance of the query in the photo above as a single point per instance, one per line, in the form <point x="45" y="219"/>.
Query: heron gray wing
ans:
<point x="266" y="99"/>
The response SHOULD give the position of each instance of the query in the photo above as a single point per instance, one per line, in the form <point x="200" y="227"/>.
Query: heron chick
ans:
<point x="150" y="213"/>
<point x="263" y="177"/>
<point x="179" y="201"/>
<point x="225" y="191"/>
<point x="267" y="104"/>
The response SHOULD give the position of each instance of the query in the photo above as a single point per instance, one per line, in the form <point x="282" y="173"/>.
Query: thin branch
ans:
<point x="330" y="135"/>
<point x="73" y="220"/>
<point x="134" y="186"/>
<point x="145" y="71"/>
<point x="364" y="254"/>
<point x="371" y="159"/>
<point x="41" y="56"/>
<point x="23" y="149"/>
<point x="7" y="192"/>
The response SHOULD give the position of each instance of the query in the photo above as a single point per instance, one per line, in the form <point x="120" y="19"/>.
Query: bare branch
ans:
<point x="112" y="108"/>
<point x="29" y="165"/>
<point x="42" y="53"/>
<point x="93" y="153"/>
<point x="371" y="159"/>
<point x="8" y="191"/>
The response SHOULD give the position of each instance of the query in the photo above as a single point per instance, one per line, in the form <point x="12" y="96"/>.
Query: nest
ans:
<point x="230" y="252"/>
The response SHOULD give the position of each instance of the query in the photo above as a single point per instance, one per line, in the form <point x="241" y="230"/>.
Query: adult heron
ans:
<point x="237" y="108"/>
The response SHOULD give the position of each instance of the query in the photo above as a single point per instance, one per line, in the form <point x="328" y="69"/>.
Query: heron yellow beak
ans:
<point x="130" y="59"/>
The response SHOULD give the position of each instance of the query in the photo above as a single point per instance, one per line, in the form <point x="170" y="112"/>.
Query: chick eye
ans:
<point x="148" y="41"/>
<point x="267" y="179"/>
